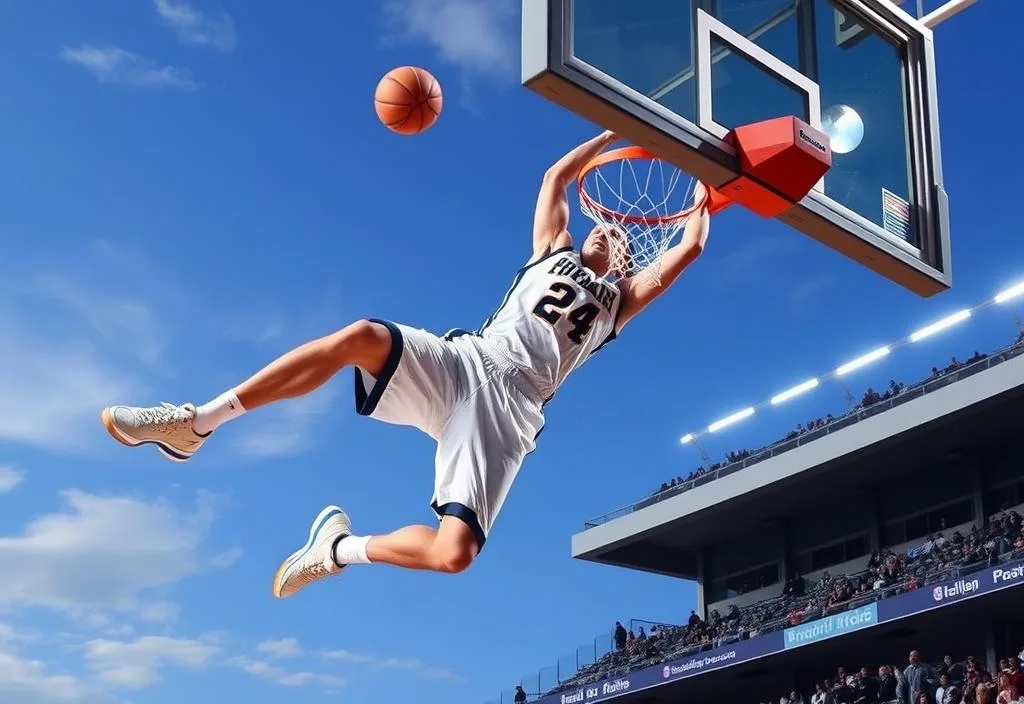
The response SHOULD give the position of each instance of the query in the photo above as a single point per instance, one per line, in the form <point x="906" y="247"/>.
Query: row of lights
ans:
<point x="859" y="363"/>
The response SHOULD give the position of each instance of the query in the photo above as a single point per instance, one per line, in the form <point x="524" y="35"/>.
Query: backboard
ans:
<point x="675" y="76"/>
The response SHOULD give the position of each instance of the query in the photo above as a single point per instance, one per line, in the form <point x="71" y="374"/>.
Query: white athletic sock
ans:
<point x="214" y="414"/>
<point x="351" y="550"/>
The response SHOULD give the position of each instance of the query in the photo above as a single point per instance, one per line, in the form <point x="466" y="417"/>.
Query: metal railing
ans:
<point x="856" y="415"/>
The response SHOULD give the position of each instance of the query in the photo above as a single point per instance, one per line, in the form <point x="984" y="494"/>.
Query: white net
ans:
<point x="642" y="201"/>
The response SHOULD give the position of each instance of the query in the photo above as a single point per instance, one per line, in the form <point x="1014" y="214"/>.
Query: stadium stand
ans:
<point x="944" y="552"/>
<point x="937" y="559"/>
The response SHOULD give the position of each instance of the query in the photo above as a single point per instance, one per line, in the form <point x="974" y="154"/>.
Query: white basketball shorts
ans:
<point x="484" y="415"/>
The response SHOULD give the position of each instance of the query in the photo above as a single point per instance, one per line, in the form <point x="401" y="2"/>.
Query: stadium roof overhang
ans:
<point x="666" y="537"/>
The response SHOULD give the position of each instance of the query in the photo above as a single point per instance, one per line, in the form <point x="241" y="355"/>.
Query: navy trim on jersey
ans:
<point x="519" y="277"/>
<point x="366" y="404"/>
<point x="466" y="515"/>
<point x="456" y="332"/>
<point x="615" y="324"/>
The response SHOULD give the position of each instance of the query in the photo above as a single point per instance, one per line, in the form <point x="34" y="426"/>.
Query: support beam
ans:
<point x="947" y="11"/>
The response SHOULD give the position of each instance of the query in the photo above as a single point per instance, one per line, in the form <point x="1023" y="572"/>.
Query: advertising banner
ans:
<point x="695" y="664"/>
<point x="831" y="626"/>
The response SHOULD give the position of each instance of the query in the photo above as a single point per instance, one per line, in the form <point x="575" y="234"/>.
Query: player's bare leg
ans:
<point x="363" y="344"/>
<point x="450" y="548"/>
<point x="332" y="547"/>
<point x="179" y="431"/>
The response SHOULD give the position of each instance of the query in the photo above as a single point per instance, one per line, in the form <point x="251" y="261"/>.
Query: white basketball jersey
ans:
<point x="556" y="314"/>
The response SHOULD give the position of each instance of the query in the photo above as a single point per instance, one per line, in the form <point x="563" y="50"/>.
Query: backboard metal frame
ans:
<point x="550" y="69"/>
<point x="709" y="28"/>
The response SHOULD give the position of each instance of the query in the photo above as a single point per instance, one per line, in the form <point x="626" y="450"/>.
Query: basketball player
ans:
<point x="479" y="395"/>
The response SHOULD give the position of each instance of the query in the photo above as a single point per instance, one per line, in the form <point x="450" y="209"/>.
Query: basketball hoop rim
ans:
<point x="626" y="154"/>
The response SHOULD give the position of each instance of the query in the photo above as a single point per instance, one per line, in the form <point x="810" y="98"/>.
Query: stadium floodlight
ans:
<point x="1010" y="293"/>
<point x="940" y="325"/>
<point x="729" y="420"/>
<point x="686" y="438"/>
<point x="862" y="361"/>
<point x="794" y="392"/>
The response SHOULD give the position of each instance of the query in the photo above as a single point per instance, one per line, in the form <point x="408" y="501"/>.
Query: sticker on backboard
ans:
<point x="895" y="215"/>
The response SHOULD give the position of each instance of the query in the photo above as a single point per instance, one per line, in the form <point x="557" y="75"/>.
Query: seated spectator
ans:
<point x="973" y="669"/>
<point x="889" y="574"/>
<point x="1016" y="676"/>
<point x="1007" y="692"/>
<point x="986" y="692"/>
<point x="734" y="614"/>
<point x="954" y="669"/>
<point x="886" y="685"/>
<point x="843" y="691"/>
<point x="945" y="690"/>
<point x="795" y="586"/>
<point x="868" y="692"/>
<point x="822" y="695"/>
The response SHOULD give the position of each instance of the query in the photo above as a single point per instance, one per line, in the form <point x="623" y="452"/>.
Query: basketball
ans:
<point x="408" y="100"/>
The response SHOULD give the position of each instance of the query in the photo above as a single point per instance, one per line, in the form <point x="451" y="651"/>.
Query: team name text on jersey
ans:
<point x="599" y="289"/>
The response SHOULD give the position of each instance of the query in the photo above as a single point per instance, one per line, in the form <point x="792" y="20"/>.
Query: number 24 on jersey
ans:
<point x="553" y="306"/>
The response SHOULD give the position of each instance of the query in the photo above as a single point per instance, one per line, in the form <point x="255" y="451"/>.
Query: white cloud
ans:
<point x="138" y="663"/>
<point x="159" y="612"/>
<point x="53" y="388"/>
<point x="73" y="344"/>
<point x="10" y="479"/>
<point x="256" y="668"/>
<point x="273" y="673"/>
<point x="101" y="552"/>
<point x="130" y="325"/>
<point x="9" y="634"/>
<point x="478" y="36"/>
<point x="286" y="428"/>
<point x="301" y="679"/>
<point x="196" y="27"/>
<point x="29" y="681"/>
<point x="390" y="663"/>
<point x="280" y="649"/>
<point x="226" y="559"/>
<point x="112" y="64"/>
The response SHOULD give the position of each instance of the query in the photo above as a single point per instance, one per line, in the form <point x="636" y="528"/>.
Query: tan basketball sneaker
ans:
<point x="167" y="426"/>
<point x="314" y="560"/>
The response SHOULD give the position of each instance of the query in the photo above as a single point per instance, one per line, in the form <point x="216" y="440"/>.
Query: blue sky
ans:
<point x="190" y="190"/>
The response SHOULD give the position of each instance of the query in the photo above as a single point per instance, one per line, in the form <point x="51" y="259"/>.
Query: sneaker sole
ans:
<point x="165" y="450"/>
<point x="314" y="530"/>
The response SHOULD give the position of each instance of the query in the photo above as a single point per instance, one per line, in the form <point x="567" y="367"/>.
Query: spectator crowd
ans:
<point x="918" y="682"/>
<point x="870" y="398"/>
<point x="939" y="558"/>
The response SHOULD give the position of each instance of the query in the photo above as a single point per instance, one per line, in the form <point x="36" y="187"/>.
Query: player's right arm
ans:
<point x="640" y="290"/>
<point x="551" y="218"/>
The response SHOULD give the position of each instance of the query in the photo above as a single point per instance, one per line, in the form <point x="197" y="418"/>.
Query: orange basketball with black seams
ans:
<point x="408" y="100"/>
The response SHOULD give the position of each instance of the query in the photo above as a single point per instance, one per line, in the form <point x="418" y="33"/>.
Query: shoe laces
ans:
<point x="165" y="418"/>
<point x="311" y="572"/>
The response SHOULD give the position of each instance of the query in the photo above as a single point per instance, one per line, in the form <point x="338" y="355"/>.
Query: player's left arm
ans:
<point x="640" y="290"/>
<point x="551" y="218"/>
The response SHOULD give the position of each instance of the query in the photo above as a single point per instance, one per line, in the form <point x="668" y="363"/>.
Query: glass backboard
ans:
<point x="676" y="75"/>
